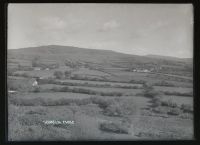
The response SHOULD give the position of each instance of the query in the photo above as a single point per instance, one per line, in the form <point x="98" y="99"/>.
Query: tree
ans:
<point x="35" y="61"/>
<point x="149" y="91"/>
<point x="68" y="74"/>
<point x="58" y="74"/>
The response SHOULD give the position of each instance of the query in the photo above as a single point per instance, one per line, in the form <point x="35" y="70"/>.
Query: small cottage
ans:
<point x="35" y="83"/>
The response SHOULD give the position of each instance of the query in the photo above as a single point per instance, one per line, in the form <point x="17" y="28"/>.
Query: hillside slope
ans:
<point x="61" y="53"/>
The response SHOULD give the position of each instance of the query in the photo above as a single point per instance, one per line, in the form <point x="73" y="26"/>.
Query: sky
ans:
<point x="139" y="29"/>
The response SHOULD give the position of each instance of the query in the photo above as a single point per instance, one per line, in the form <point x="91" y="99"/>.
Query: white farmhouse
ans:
<point x="35" y="83"/>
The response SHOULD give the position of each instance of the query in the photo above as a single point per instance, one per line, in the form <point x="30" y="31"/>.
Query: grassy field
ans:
<point x="126" y="114"/>
<point x="96" y="117"/>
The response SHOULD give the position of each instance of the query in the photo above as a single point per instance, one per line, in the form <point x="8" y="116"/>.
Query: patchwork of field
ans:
<point x="105" y="103"/>
<point x="129" y="116"/>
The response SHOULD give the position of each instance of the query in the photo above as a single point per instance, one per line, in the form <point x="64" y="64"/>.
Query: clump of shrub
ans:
<point x="149" y="91"/>
<point x="67" y="74"/>
<point x="114" y="107"/>
<point x="58" y="74"/>
<point x="113" y="110"/>
<point x="156" y="101"/>
<point x="160" y="110"/>
<point x="187" y="108"/>
<point x="36" y="89"/>
<point x="113" y="128"/>
<point x="101" y="102"/>
<point x="169" y="103"/>
<point x="186" y="116"/>
<point x="120" y="108"/>
<point x="174" y="111"/>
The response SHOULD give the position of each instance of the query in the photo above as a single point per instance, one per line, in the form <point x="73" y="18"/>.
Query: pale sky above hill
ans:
<point x="140" y="29"/>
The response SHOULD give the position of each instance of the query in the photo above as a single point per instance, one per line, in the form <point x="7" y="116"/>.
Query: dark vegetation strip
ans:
<point x="85" y="91"/>
<point x="41" y="101"/>
<point x="110" y="107"/>
<point x="106" y="80"/>
<point x="47" y="81"/>
<point x="186" y="94"/>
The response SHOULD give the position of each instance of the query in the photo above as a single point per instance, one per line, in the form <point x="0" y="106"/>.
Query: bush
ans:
<point x="187" y="108"/>
<point x="174" y="111"/>
<point x="120" y="108"/>
<point x="160" y="110"/>
<point x="169" y="103"/>
<point x="67" y="74"/>
<point x="113" y="110"/>
<point x="101" y="102"/>
<point x="149" y="91"/>
<point x="113" y="127"/>
<point x="156" y="101"/>
<point x="35" y="61"/>
<point x="59" y="74"/>
<point x="186" y="116"/>
<point x="36" y="89"/>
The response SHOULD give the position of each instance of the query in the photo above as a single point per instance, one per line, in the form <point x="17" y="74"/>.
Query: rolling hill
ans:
<point x="61" y="53"/>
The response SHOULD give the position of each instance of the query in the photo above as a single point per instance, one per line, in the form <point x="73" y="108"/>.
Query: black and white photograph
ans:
<point x="100" y="71"/>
